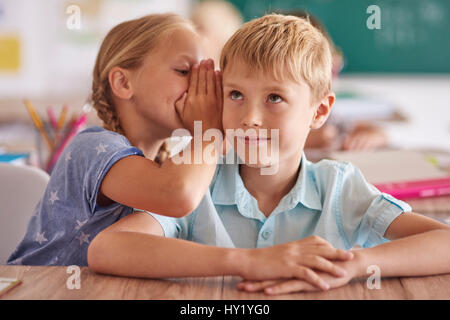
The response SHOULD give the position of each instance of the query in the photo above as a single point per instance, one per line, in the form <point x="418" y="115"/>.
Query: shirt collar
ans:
<point x="305" y="190"/>
<point x="229" y="189"/>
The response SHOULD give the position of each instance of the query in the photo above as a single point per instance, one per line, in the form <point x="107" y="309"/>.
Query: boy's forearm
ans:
<point x="418" y="255"/>
<point x="153" y="256"/>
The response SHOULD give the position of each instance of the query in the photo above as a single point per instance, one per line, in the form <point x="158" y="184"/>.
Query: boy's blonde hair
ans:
<point x="283" y="46"/>
<point x="126" y="46"/>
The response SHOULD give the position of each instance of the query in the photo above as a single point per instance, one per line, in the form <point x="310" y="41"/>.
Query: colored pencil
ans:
<point x="52" y="118"/>
<point x="62" y="117"/>
<point x="71" y="130"/>
<point x="38" y="123"/>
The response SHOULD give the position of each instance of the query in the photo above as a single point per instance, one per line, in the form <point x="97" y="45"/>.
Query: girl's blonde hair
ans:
<point x="126" y="46"/>
<point x="283" y="47"/>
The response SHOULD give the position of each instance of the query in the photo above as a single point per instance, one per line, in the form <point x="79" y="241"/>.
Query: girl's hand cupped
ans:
<point x="203" y="100"/>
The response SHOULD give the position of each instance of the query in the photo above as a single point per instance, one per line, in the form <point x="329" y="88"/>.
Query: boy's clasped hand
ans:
<point x="309" y="264"/>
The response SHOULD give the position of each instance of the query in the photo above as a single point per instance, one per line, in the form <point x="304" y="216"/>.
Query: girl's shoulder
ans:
<point x="98" y="140"/>
<point x="96" y="133"/>
<point x="101" y="145"/>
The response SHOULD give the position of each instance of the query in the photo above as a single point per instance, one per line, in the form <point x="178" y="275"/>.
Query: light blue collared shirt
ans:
<point x="330" y="199"/>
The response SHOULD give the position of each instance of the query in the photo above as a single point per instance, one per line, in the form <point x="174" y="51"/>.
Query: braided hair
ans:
<point x="126" y="46"/>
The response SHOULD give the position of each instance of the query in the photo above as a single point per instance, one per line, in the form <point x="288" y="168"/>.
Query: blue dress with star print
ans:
<point x="67" y="218"/>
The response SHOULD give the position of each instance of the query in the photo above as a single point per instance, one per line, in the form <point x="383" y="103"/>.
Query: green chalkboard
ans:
<point x="414" y="35"/>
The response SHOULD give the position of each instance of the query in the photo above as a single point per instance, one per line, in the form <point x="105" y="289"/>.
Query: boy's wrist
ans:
<point x="237" y="259"/>
<point x="358" y="263"/>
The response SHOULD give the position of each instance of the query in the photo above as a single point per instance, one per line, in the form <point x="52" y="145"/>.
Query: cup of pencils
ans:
<point x="55" y="133"/>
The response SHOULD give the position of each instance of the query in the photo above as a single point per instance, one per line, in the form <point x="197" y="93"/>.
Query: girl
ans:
<point x="140" y="91"/>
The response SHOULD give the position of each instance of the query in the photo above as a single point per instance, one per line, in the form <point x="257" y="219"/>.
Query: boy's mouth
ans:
<point x="253" y="139"/>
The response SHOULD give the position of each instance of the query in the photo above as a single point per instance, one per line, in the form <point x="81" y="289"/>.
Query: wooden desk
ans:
<point x="50" y="283"/>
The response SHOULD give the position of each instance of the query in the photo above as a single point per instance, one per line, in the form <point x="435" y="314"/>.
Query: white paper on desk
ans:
<point x="386" y="166"/>
<point x="7" y="283"/>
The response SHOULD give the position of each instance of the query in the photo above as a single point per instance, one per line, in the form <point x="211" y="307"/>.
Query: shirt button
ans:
<point x="266" y="234"/>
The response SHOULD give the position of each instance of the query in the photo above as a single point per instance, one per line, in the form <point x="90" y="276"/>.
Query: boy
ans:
<point x="286" y="231"/>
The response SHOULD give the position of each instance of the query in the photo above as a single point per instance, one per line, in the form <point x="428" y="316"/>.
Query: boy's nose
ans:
<point x="251" y="120"/>
<point x="251" y="115"/>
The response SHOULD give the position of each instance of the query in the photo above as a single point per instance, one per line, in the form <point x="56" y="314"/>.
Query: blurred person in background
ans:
<point x="216" y="21"/>
<point x="356" y="136"/>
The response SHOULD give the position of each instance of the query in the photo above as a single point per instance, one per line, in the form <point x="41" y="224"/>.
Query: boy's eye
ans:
<point x="235" y="95"/>
<point x="183" y="72"/>
<point x="274" y="98"/>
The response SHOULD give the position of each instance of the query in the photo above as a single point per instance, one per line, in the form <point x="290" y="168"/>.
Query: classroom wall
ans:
<point x="44" y="54"/>
<point x="41" y="58"/>
<point x="413" y="35"/>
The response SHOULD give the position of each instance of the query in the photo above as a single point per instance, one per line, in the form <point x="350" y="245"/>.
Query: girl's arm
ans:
<point x="170" y="189"/>
<point x="135" y="246"/>
<point x="174" y="189"/>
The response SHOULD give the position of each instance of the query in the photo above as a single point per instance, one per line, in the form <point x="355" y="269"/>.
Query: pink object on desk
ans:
<point x="52" y="118"/>
<point x="416" y="189"/>
<point x="72" y="132"/>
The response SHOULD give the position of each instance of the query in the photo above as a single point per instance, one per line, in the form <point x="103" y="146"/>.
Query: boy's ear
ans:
<point x="120" y="83"/>
<point x="323" y="111"/>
